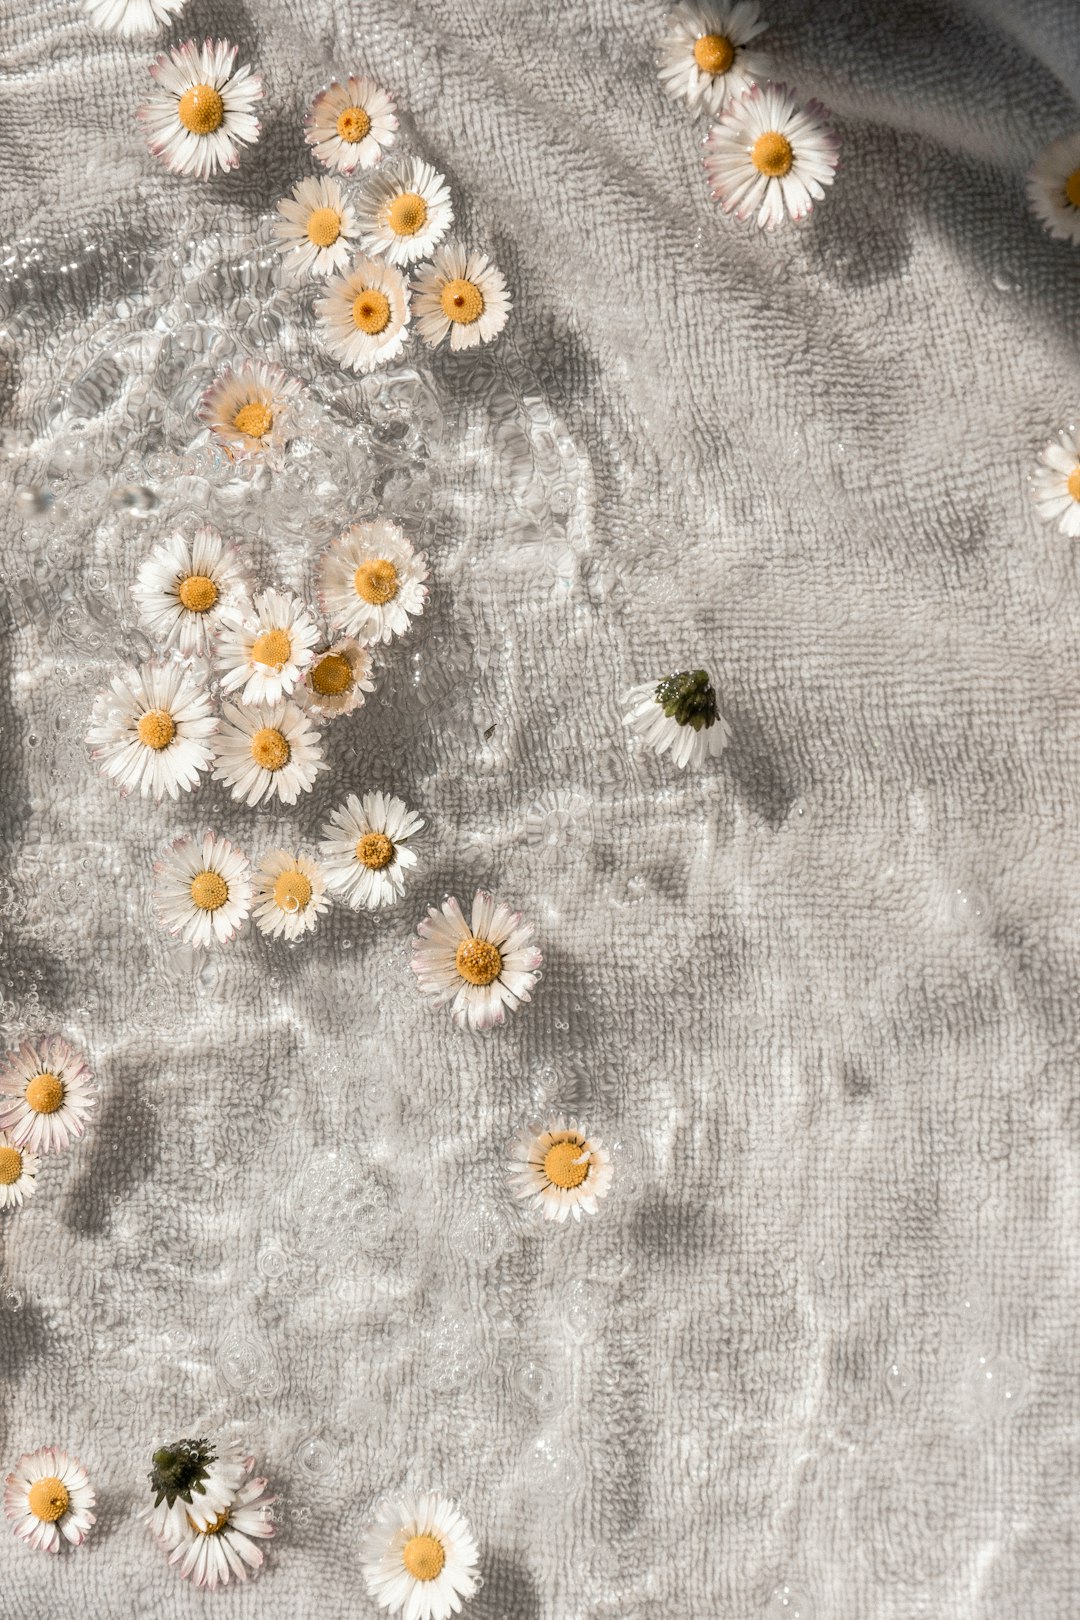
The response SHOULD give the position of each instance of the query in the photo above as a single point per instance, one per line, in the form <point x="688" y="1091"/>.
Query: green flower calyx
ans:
<point x="180" y="1469"/>
<point x="688" y="698"/>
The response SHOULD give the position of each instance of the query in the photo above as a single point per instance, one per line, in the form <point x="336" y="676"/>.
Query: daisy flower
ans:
<point x="270" y="752"/>
<point x="561" y="1169"/>
<point x="315" y="228"/>
<point x="48" y="1495"/>
<point x="419" y="1557"/>
<point x="18" y="1169"/>
<point x="131" y="17"/>
<point x="351" y="125"/>
<point x="371" y="581"/>
<point x="290" y="894"/>
<point x="767" y="154"/>
<point x="364" y="316"/>
<point x="1053" y="187"/>
<point x="337" y="680"/>
<point x="194" y="1482"/>
<point x="405" y="213"/>
<point x="365" y="851"/>
<point x="460" y="293"/>
<point x="211" y="1553"/>
<point x="483" y="967"/>
<point x="679" y="713"/>
<point x="703" y="58"/>
<point x="1056" y="483"/>
<point x="203" y="890"/>
<point x="265" y="648"/>
<point x="249" y="410"/>
<point x="199" y="114"/>
<point x="152" y="730"/>
<point x="184" y="584"/>
<point x="46" y="1095"/>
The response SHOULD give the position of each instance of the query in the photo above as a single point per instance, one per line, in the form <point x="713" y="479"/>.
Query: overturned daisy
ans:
<point x="351" y="125"/>
<point x="250" y="410"/>
<point x="371" y="581"/>
<point x="1055" y="484"/>
<point x="561" y="1170"/>
<point x="679" y="714"/>
<point x="151" y="730"/>
<point x="263" y="650"/>
<point x="193" y="1483"/>
<point x="1053" y="187"/>
<point x="770" y="157"/>
<point x="132" y="17"/>
<point x="290" y="895"/>
<point x="462" y="294"/>
<point x="200" y="112"/>
<point x="419" y="1557"/>
<point x="269" y="752"/>
<point x="405" y="212"/>
<point x="18" y="1173"/>
<point x="46" y="1095"/>
<point x="228" y="1547"/>
<point x="337" y="680"/>
<point x="481" y="967"/>
<point x="315" y="228"/>
<point x="48" y="1499"/>
<point x="183" y="585"/>
<point x="703" y="58"/>
<point x="366" y="852"/>
<point x="203" y="890"/>
<point x="364" y="318"/>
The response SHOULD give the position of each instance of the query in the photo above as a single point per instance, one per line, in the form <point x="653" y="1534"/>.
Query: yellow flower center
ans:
<point x="10" y="1166"/>
<point x="216" y="1526"/>
<point x="771" y="154"/>
<point x="376" y="581"/>
<point x="273" y="648"/>
<point x="45" y="1093"/>
<point x="462" y="301"/>
<point x="564" y="1165"/>
<point x="331" y="676"/>
<point x="714" y="53"/>
<point x="48" y="1499"/>
<point x="270" y="749"/>
<point x="423" y="1557"/>
<point x="353" y="124"/>
<point x="201" y="109"/>
<point x="371" y="311"/>
<point x="156" y="729"/>
<point x="323" y="227"/>
<point x="209" y="891"/>
<point x="198" y="593"/>
<point x="1072" y="189"/>
<point x="407" y="214"/>
<point x="255" y="419"/>
<point x="478" y="961"/>
<point x="374" y="850"/>
<point x="292" y="891"/>
<point x="1073" y="485"/>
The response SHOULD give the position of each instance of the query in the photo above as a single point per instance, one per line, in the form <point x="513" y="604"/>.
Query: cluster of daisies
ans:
<point x="46" y="1098"/>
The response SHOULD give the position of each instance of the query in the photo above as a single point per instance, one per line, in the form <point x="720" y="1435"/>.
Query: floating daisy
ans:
<point x="1053" y="187"/>
<point x="405" y="212"/>
<point x="483" y="968"/>
<point x="679" y="713"/>
<point x="18" y="1170"/>
<point x="365" y="314"/>
<point x="210" y="1554"/>
<point x="371" y="581"/>
<point x="152" y="730"/>
<point x="269" y="752"/>
<point x="290" y="894"/>
<point x="48" y="1497"/>
<point x="203" y="890"/>
<point x="351" y="125"/>
<point x="337" y="680"/>
<point x="46" y="1095"/>
<point x="130" y="17"/>
<point x="767" y="154"/>
<point x="703" y="58"/>
<point x="183" y="586"/>
<point x="315" y="228"/>
<point x="562" y="1169"/>
<point x="249" y="410"/>
<point x="265" y="648"/>
<point x="460" y="293"/>
<point x="200" y="114"/>
<point x="1056" y="483"/>
<point x="419" y="1557"/>
<point x="194" y="1482"/>
<point x="365" y="850"/>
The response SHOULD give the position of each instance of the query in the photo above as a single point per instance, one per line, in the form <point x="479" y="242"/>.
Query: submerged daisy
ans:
<point x="1055" y="484"/>
<point x="152" y="730"/>
<point x="365" y="314"/>
<point x="703" y="58"/>
<point x="194" y="1482"/>
<point x="679" y="713"/>
<point x="315" y="228"/>
<point x="18" y="1170"/>
<point x="365" y="850"/>
<point x="249" y="409"/>
<point x="561" y="1168"/>
<point x="337" y="680"/>
<point x="1053" y="187"/>
<point x="48" y="1497"/>
<point x="419" y="1557"/>
<point x="269" y="752"/>
<point x="130" y="17"/>
<point x="203" y="890"/>
<point x="265" y="648"/>
<point x="405" y="212"/>
<point x="481" y="968"/>
<point x="183" y="586"/>
<point x="371" y="581"/>
<point x="290" y="894"/>
<point x="200" y="113"/>
<point x="460" y="293"/>
<point x="770" y="156"/>
<point x="212" y="1553"/>
<point x="46" y="1095"/>
<point x="351" y="125"/>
